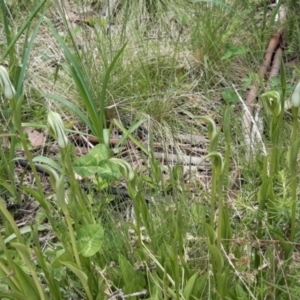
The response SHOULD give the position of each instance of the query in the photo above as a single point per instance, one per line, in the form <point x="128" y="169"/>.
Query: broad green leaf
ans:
<point x="134" y="281"/>
<point x="25" y="254"/>
<point x="230" y="96"/>
<point x="188" y="288"/>
<point x="199" y="286"/>
<point x="48" y="161"/>
<point x="216" y="258"/>
<point x="233" y="50"/>
<point x="286" y="246"/>
<point x="10" y="219"/>
<point x="283" y="81"/>
<point x="293" y="155"/>
<point x="57" y="262"/>
<point x="108" y="170"/>
<point x="24" y="230"/>
<point x="211" y="233"/>
<point x="13" y="296"/>
<point x="81" y="276"/>
<point x="100" y="152"/>
<point x="90" y="239"/>
<point x="26" y="282"/>
<point x="222" y="287"/>
<point x="86" y="166"/>
<point x="240" y="292"/>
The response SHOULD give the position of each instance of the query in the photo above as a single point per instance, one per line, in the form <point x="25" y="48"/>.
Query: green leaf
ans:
<point x="86" y="166"/>
<point x="212" y="128"/>
<point x="69" y="105"/>
<point x="64" y="256"/>
<point x="233" y="50"/>
<point x="134" y="281"/>
<point x="216" y="258"/>
<point x="211" y="233"/>
<point x="13" y="296"/>
<point x="227" y="135"/>
<point x="26" y="282"/>
<point x="293" y="155"/>
<point x="200" y="286"/>
<point x="105" y="83"/>
<point x="24" y="230"/>
<point x="90" y="239"/>
<point x="217" y="161"/>
<point x="283" y="81"/>
<point x="240" y="292"/>
<point x="187" y="291"/>
<point x="81" y="276"/>
<point x="286" y="246"/>
<point x="108" y="170"/>
<point x="23" y="28"/>
<point x="100" y="152"/>
<point x="230" y="96"/>
<point x="75" y="69"/>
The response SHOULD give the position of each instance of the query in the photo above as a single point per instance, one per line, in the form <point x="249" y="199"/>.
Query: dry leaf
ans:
<point x="35" y="137"/>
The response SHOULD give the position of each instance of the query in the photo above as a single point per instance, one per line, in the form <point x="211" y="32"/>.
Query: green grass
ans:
<point x="222" y="227"/>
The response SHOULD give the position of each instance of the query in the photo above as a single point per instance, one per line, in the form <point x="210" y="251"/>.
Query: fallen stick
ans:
<point x="272" y="63"/>
<point x="183" y="159"/>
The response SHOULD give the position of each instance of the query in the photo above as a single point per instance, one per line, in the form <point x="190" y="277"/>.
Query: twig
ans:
<point x="185" y="159"/>
<point x="119" y="294"/>
<point x="84" y="138"/>
<point x="238" y="274"/>
<point x="249" y="116"/>
<point x="276" y="63"/>
<point x="275" y="45"/>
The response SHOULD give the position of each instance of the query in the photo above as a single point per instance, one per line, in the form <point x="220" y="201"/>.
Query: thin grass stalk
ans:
<point x="18" y="124"/>
<point x="16" y="106"/>
<point x="60" y="193"/>
<point x="227" y="234"/>
<point x="12" y="56"/>
<point x="221" y="212"/>
<point x="273" y="101"/>
<point x="294" y="177"/>
<point x="262" y="198"/>
<point x="22" y="29"/>
<point x="48" y="271"/>
<point x="213" y="197"/>
<point x="68" y="169"/>
<point x="25" y="254"/>
<point x="14" y="282"/>
<point x="10" y="220"/>
<point x="136" y="206"/>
